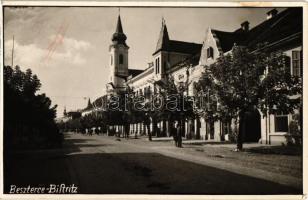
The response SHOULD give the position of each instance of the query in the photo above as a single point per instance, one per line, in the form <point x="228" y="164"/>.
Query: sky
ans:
<point x="67" y="47"/>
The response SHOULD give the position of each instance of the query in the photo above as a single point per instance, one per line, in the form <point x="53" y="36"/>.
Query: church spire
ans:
<point x="163" y="40"/>
<point x="119" y="37"/>
<point x="119" y="25"/>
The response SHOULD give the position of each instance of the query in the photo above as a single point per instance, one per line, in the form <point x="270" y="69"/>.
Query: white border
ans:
<point x="165" y="4"/>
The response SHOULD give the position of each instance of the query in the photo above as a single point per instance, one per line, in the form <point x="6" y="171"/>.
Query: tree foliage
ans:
<point x="243" y="80"/>
<point x="28" y="116"/>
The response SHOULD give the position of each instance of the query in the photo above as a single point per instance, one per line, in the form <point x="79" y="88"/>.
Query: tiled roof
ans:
<point x="283" y="25"/>
<point x="227" y="39"/>
<point x="165" y="44"/>
<point x="184" y="47"/>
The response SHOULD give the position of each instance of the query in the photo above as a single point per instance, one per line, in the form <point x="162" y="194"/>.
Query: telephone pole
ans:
<point x="13" y="53"/>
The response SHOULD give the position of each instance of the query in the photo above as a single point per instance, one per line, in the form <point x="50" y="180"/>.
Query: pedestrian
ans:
<point x="174" y="133"/>
<point x="127" y="129"/>
<point x="179" y="134"/>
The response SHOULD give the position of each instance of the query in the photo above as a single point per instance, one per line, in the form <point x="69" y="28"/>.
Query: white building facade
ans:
<point x="186" y="61"/>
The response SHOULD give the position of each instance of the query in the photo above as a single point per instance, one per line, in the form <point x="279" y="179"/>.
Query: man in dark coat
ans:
<point x="179" y="134"/>
<point x="174" y="133"/>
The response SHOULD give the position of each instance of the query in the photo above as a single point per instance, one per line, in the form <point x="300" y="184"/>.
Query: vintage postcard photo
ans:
<point x="152" y="100"/>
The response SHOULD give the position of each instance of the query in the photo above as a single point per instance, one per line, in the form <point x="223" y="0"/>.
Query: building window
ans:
<point x="158" y="65"/>
<point x="287" y="64"/>
<point x="121" y="59"/>
<point x="111" y="59"/>
<point x="281" y="122"/>
<point x="210" y="52"/>
<point x="149" y="91"/>
<point x="296" y="63"/>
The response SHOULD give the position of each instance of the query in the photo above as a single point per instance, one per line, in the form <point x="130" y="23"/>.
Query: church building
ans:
<point x="186" y="61"/>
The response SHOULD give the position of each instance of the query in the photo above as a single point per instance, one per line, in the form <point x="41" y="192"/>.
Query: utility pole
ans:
<point x="13" y="53"/>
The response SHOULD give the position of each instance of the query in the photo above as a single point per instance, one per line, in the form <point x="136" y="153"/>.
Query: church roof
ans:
<point x="119" y="37"/>
<point x="165" y="44"/>
<point x="163" y="39"/>
<point x="283" y="25"/>
<point x="119" y="28"/>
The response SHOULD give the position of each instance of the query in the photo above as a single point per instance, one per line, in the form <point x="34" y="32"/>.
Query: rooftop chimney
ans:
<point x="245" y="26"/>
<point x="271" y="13"/>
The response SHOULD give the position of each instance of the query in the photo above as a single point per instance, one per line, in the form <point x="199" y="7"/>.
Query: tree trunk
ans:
<point x="179" y="135"/>
<point x="149" y="132"/>
<point x="240" y="130"/>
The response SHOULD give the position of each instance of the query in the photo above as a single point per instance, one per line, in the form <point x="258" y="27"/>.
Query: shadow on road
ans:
<point x="135" y="173"/>
<point x="128" y="173"/>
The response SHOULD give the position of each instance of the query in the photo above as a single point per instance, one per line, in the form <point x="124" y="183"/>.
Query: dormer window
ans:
<point x="121" y="59"/>
<point x="210" y="52"/>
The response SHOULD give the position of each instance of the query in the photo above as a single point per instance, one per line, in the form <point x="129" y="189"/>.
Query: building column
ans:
<point x="202" y="128"/>
<point x="264" y="129"/>
<point x="133" y="129"/>
<point x="217" y="129"/>
<point x="151" y="127"/>
<point x="197" y="128"/>
<point x="167" y="128"/>
<point x="140" y="128"/>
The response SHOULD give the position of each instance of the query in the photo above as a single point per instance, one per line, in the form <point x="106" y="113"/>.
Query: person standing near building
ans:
<point x="174" y="132"/>
<point x="179" y="134"/>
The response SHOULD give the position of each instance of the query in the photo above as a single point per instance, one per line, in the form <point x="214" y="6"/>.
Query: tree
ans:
<point x="244" y="80"/>
<point x="177" y="106"/>
<point x="28" y="117"/>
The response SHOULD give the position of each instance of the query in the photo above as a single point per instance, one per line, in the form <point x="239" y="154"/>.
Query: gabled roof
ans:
<point x="280" y="26"/>
<point x="184" y="47"/>
<point x="283" y="25"/>
<point x="163" y="39"/>
<point x="165" y="44"/>
<point x="228" y="39"/>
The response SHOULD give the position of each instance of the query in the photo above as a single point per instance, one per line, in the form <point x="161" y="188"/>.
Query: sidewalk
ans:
<point x="201" y="142"/>
<point x="283" y="169"/>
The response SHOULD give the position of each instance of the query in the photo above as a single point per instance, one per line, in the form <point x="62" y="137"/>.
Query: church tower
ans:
<point x="118" y="52"/>
<point x="161" y="55"/>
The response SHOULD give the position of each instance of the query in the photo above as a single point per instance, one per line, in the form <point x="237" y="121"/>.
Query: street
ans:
<point x="108" y="165"/>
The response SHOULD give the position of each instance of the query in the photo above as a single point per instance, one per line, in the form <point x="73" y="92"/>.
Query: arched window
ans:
<point x="121" y="59"/>
<point x="210" y="52"/>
